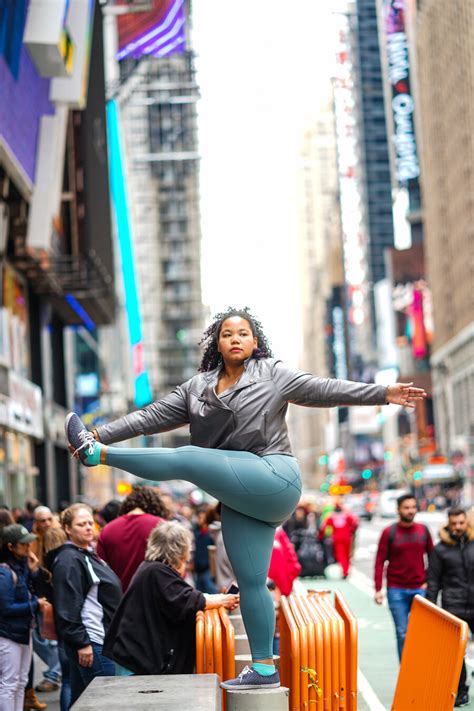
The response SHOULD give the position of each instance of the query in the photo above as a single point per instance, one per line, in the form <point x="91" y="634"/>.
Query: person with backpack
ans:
<point x="404" y="545"/>
<point x="18" y="607"/>
<point x="451" y="573"/>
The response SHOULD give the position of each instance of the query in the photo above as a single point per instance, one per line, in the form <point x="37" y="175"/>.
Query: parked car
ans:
<point x="361" y="505"/>
<point x="387" y="503"/>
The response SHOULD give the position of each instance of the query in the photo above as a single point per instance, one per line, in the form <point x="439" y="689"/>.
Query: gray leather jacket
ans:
<point x="249" y="416"/>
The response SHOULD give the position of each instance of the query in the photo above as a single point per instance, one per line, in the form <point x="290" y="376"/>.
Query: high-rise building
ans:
<point x="321" y="270"/>
<point x="445" y="53"/>
<point x="374" y="143"/>
<point x="157" y="106"/>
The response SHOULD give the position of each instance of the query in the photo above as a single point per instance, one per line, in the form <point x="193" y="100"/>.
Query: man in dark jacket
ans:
<point x="451" y="572"/>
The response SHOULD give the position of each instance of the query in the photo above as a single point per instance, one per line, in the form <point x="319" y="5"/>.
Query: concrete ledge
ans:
<point x="238" y="623"/>
<point x="242" y="644"/>
<point x="173" y="692"/>
<point x="258" y="699"/>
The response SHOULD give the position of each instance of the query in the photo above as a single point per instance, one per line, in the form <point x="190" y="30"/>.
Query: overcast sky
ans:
<point x="262" y="67"/>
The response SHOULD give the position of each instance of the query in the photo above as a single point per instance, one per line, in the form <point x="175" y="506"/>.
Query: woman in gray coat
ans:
<point x="240" y="453"/>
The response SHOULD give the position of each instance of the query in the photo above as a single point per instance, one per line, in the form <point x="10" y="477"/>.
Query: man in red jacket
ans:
<point x="404" y="545"/>
<point x="122" y="542"/>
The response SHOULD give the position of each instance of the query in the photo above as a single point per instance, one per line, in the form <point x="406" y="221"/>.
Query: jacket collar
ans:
<point x="446" y="537"/>
<point x="248" y="377"/>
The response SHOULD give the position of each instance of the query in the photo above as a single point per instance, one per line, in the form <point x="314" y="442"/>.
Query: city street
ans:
<point x="378" y="661"/>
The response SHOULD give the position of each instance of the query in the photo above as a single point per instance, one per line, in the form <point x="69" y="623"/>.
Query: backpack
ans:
<point x="311" y="555"/>
<point x="14" y="575"/>
<point x="392" y="533"/>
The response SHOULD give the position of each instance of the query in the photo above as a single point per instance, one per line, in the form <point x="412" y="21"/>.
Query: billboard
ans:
<point x="158" y="32"/>
<point x="406" y="158"/>
<point x="24" y="94"/>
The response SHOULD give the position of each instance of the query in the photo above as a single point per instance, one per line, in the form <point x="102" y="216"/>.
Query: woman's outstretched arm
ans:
<point x="302" y="388"/>
<point x="160" y="416"/>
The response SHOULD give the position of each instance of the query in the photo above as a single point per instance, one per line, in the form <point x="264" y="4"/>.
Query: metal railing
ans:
<point x="215" y="645"/>
<point x="318" y="652"/>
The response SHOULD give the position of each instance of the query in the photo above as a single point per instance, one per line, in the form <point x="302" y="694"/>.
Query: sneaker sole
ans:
<point x="66" y="423"/>
<point x="244" y="687"/>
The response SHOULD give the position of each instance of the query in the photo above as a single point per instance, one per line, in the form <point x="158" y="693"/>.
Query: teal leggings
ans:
<point x="257" y="495"/>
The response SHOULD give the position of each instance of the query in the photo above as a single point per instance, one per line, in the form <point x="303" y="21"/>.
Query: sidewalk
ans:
<point x="51" y="699"/>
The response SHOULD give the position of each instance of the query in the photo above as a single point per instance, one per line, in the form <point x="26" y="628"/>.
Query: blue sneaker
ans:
<point x="83" y="441"/>
<point x="250" y="679"/>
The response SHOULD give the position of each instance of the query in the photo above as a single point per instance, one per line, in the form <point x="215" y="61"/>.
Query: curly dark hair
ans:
<point x="146" y="499"/>
<point x="211" y="356"/>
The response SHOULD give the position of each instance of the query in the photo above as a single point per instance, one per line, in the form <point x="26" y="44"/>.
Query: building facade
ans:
<point x="372" y="126"/>
<point x="157" y="99"/>
<point x="57" y="274"/>
<point x="445" y="54"/>
<point x="321" y="273"/>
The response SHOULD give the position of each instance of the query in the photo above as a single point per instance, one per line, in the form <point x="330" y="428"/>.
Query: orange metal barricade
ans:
<point x="228" y="644"/>
<point x="200" y="655"/>
<point x="315" y="657"/>
<point x="290" y="654"/>
<point x="325" y="631"/>
<point x="316" y="635"/>
<point x="432" y="658"/>
<point x="218" y="646"/>
<point x="215" y="645"/>
<point x="209" y="642"/>
<point x="351" y="639"/>
<point x="339" y="653"/>
<point x="304" y="652"/>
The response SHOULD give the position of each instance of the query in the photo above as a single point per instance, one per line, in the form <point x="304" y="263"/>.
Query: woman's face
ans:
<point x="20" y="550"/>
<point x="236" y="341"/>
<point x="81" y="530"/>
<point x="181" y="567"/>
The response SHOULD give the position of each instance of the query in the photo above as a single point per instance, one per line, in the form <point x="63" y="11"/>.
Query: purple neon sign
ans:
<point x="159" y="32"/>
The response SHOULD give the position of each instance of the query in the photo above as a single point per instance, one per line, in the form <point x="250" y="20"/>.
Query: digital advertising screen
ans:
<point x="158" y="32"/>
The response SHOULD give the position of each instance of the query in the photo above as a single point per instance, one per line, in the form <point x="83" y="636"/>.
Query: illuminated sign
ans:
<point x="339" y="344"/>
<point x="159" y="32"/>
<point x="338" y="490"/>
<point x="404" y="139"/>
<point x="354" y="234"/>
<point x="119" y="198"/>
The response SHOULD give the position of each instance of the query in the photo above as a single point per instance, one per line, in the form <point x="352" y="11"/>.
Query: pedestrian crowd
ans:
<point x="115" y="590"/>
<point x="100" y="592"/>
<point x="443" y="573"/>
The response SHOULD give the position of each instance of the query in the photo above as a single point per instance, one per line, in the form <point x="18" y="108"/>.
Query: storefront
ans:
<point x="21" y="424"/>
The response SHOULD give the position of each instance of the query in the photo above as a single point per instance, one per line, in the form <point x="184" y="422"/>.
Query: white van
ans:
<point x="387" y="503"/>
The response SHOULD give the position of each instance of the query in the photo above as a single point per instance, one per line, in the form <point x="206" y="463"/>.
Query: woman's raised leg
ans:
<point x="264" y="488"/>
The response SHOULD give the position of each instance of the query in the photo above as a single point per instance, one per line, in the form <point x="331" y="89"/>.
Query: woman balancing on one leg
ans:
<point x="240" y="454"/>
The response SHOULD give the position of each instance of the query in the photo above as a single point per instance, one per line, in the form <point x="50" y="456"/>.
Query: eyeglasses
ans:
<point x="44" y="520"/>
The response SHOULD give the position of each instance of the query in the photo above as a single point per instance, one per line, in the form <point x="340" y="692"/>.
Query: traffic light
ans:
<point x="417" y="475"/>
<point x="367" y="473"/>
<point x="323" y="460"/>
